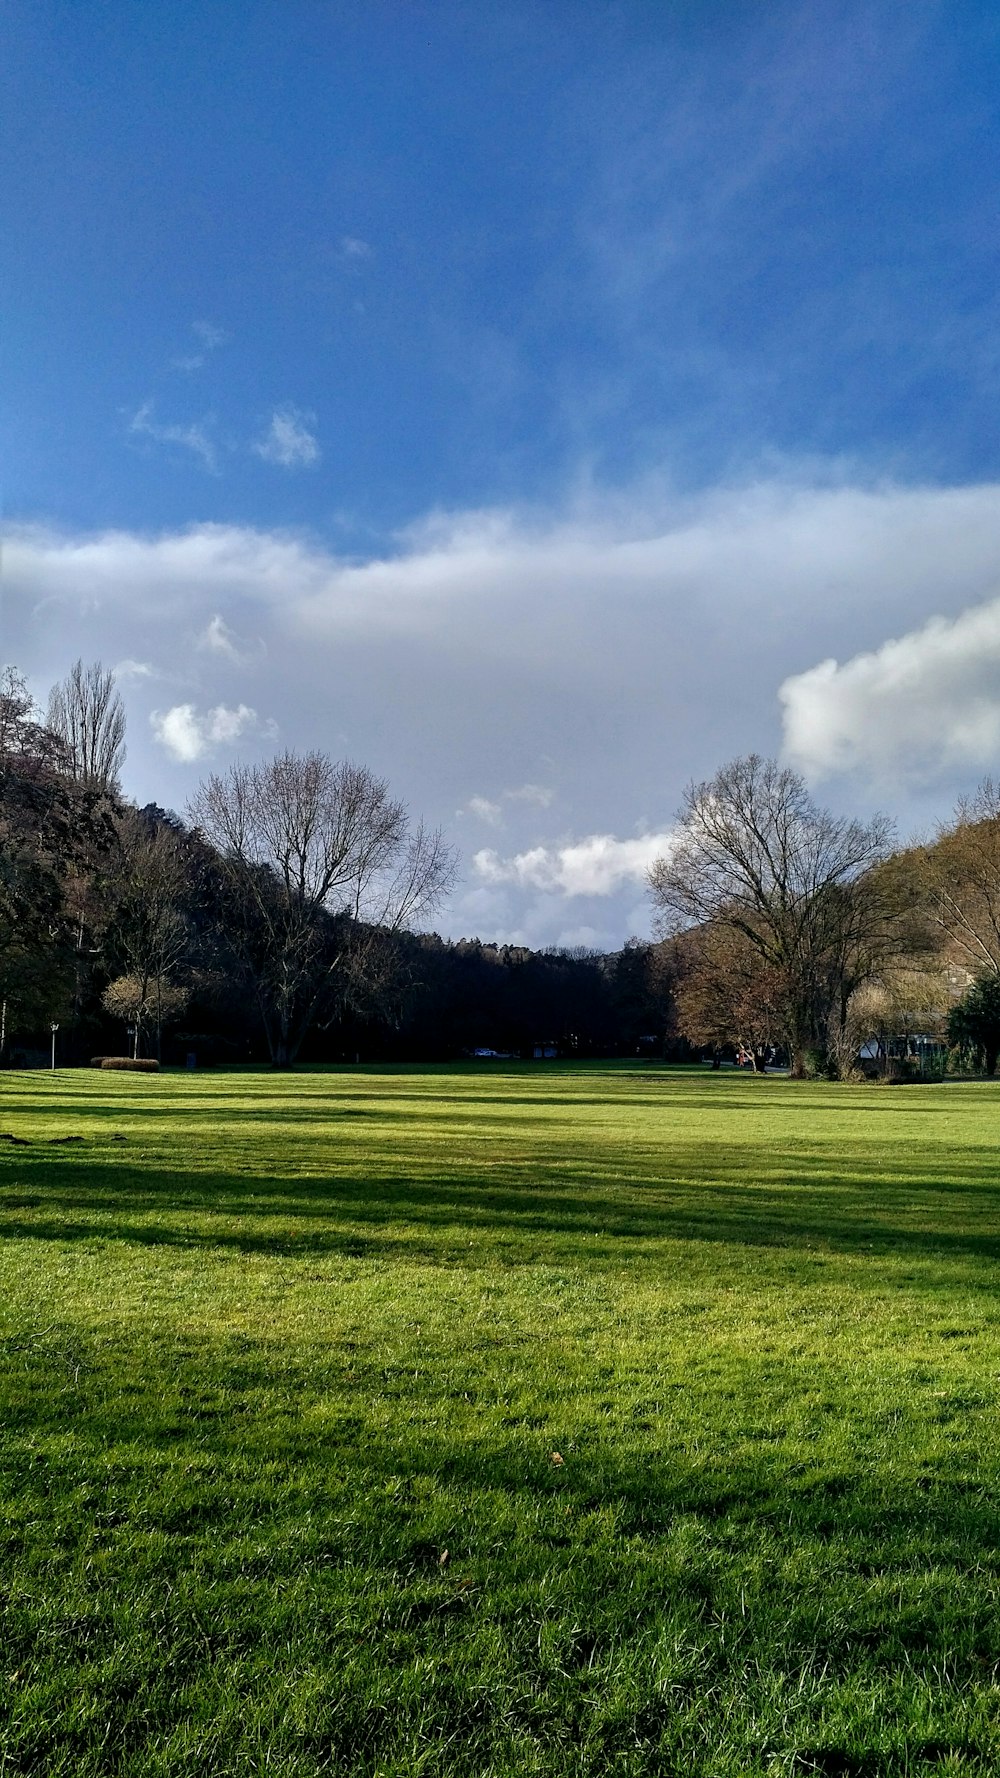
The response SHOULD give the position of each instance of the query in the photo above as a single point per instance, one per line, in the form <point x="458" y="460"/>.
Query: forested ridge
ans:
<point x="277" y="923"/>
<point x="288" y="916"/>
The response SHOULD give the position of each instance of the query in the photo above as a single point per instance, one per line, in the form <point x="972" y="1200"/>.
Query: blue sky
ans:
<point x="531" y="401"/>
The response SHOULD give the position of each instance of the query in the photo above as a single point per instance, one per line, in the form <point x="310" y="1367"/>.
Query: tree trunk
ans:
<point x="797" y="1046"/>
<point x="800" y="1037"/>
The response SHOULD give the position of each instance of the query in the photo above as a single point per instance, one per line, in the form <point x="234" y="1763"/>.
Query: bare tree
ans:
<point x="321" y="863"/>
<point x="25" y="741"/>
<point x="17" y="713"/>
<point x="753" y="853"/>
<point x="961" y="878"/>
<point x="149" y="936"/>
<point x="88" y="716"/>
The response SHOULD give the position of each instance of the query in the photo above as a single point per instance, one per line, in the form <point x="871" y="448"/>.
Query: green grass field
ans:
<point x="287" y="1363"/>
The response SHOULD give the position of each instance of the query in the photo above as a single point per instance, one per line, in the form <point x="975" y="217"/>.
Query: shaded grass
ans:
<point x="269" y="1347"/>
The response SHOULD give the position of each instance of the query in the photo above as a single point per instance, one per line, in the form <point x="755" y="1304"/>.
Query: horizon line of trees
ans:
<point x="275" y="920"/>
<point x="278" y="918"/>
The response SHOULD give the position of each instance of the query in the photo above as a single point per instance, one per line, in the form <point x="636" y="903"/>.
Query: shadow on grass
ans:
<point x="394" y="1418"/>
<point x="599" y="1210"/>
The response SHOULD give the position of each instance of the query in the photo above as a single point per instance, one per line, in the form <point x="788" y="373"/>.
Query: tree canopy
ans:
<point x="797" y="886"/>
<point x="281" y="916"/>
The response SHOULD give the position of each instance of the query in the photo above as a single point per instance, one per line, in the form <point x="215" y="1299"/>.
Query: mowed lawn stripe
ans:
<point x="289" y="1364"/>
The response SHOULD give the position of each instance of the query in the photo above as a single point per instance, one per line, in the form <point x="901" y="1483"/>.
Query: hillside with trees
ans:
<point x="284" y="918"/>
<point x="275" y="922"/>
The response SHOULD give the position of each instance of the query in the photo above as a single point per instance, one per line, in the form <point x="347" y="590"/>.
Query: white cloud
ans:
<point x="920" y="705"/>
<point x="192" y="438"/>
<point x="186" y="736"/>
<point x="353" y="247"/>
<point x="598" y="865"/>
<point x="179" y="576"/>
<point x="227" y="725"/>
<point x="180" y="731"/>
<point x="614" y="649"/>
<point x="288" y="440"/>
<point x="218" y="638"/>
<point x="129" y="669"/>
<point x="508" y="915"/>
<point x="628" y="590"/>
<point x="484" y="810"/>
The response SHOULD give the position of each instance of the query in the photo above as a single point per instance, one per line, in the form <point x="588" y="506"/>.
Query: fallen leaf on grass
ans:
<point x="443" y="1559"/>
<point x="556" y="1460"/>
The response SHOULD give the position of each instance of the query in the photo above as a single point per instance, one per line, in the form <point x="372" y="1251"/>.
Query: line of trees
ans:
<point x="275" y="906"/>
<point x="798" y="930"/>
<point x="275" y="920"/>
<point x="278" y="918"/>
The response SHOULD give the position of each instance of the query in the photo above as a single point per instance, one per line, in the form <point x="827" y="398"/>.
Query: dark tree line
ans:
<point x="466" y="996"/>
<point x="274" y="921"/>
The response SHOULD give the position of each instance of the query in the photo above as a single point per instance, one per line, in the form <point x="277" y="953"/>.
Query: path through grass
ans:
<point x="286" y="1365"/>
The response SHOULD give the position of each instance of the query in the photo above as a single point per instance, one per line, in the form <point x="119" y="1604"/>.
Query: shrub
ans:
<point x="97" y="1061"/>
<point x="131" y="1064"/>
<point x="820" y="1065"/>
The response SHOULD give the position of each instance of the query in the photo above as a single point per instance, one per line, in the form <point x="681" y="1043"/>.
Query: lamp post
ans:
<point x="54" y="1028"/>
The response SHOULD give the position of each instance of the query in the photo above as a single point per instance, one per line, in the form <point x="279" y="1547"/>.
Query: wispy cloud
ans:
<point x="693" y="212"/>
<point x="484" y="810"/>
<point x="187" y="736"/>
<point x="209" y="340"/>
<point x="491" y="811"/>
<point x="289" y="440"/>
<point x="538" y="796"/>
<point x="218" y="638"/>
<point x="597" y="865"/>
<point x="353" y="247"/>
<point x="210" y="336"/>
<point x="194" y="437"/>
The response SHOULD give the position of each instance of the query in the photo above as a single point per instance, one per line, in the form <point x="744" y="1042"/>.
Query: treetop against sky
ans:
<point x="538" y="405"/>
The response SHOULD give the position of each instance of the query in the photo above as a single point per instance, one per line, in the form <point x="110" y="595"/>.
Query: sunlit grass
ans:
<point x="286" y="1363"/>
